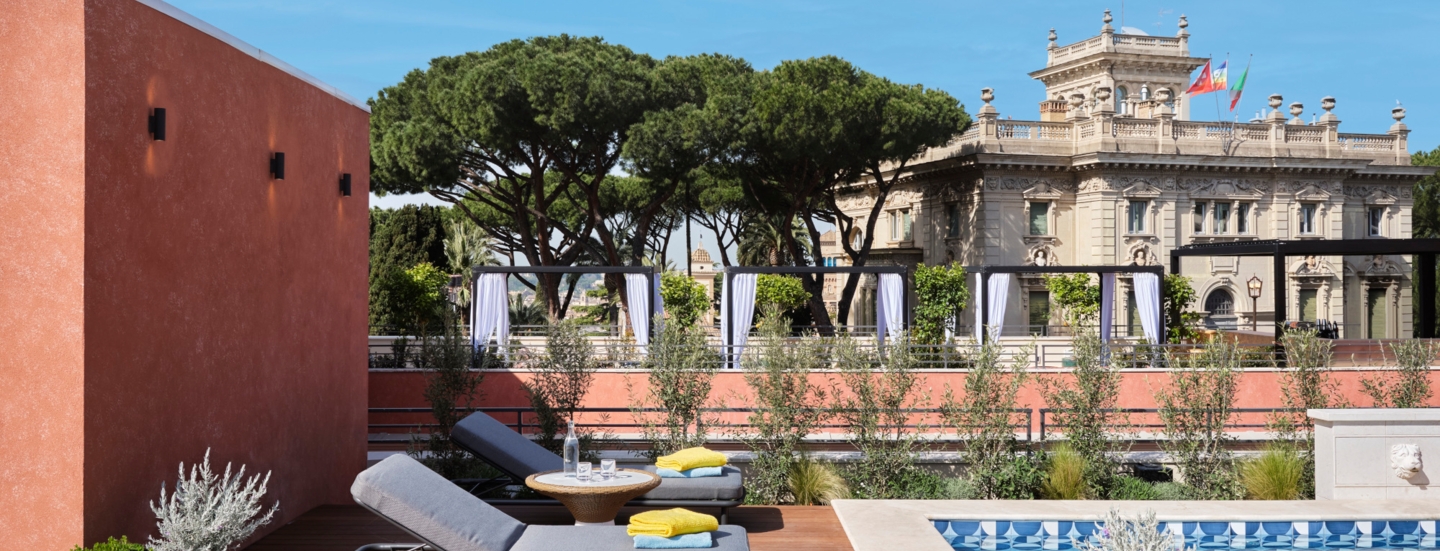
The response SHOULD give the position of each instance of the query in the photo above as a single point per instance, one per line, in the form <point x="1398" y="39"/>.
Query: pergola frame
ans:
<point x="1423" y="249"/>
<point x="985" y="272"/>
<point x="731" y="271"/>
<point x="512" y="270"/>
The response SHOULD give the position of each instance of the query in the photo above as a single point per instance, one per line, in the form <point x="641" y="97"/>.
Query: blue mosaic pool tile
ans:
<point x="1024" y="535"/>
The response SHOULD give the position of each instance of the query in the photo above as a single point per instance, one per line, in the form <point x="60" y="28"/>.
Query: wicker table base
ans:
<point x="594" y="503"/>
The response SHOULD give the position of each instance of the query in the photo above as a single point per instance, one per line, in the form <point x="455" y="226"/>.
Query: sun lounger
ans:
<point x="519" y="457"/>
<point x="444" y="517"/>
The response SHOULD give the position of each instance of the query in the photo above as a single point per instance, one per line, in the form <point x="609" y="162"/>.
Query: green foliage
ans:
<point x="1426" y="213"/>
<point x="524" y="136"/>
<point x="400" y="239"/>
<point x="1276" y="474"/>
<point x="874" y="402"/>
<point x="1083" y="404"/>
<point x="1077" y="297"/>
<point x="984" y="415"/>
<point x="1172" y="491"/>
<point x="1195" y="409"/>
<point x="685" y="299"/>
<point x="451" y="388"/>
<point x="941" y="292"/>
<point x="1178" y="295"/>
<point x="561" y="379"/>
<point x="681" y="371"/>
<point x="414" y="298"/>
<point x="761" y="243"/>
<point x="1305" y="383"/>
<point x="1065" y="475"/>
<point x="1409" y="385"/>
<point x="1129" y="488"/>
<point x="784" y="292"/>
<point x="466" y="247"/>
<point x="960" y="487"/>
<point x="113" y="544"/>
<point x="815" y="483"/>
<point x="787" y="404"/>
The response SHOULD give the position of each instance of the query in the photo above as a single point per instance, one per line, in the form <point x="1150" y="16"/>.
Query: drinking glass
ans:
<point x="582" y="471"/>
<point x="607" y="469"/>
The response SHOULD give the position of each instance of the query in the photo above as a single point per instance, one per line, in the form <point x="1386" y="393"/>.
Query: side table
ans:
<point x="596" y="501"/>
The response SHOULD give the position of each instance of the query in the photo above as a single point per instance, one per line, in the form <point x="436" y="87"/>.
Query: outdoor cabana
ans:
<point x="490" y="302"/>
<point x="737" y="300"/>
<point x="991" y="293"/>
<point x="1423" y="249"/>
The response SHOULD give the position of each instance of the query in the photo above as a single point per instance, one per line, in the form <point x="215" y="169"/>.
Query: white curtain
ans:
<point x="1107" y="305"/>
<point x="890" y="304"/>
<point x="737" y="301"/>
<point x="637" y="291"/>
<point x="1147" y="302"/>
<point x="490" y="311"/>
<point x="996" y="295"/>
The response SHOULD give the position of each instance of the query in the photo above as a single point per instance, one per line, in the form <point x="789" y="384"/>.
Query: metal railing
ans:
<point x="1052" y="351"/>
<point x="1243" y="419"/>
<point x="525" y="420"/>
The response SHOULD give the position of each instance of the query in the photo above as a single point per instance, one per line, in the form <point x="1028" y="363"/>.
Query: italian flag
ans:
<point x="1238" y="88"/>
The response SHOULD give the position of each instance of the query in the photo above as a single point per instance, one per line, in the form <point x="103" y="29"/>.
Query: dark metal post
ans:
<point x="727" y="324"/>
<point x="1426" y="285"/>
<point x="983" y="306"/>
<point x="689" y="266"/>
<point x="1279" y="276"/>
<point x="654" y="297"/>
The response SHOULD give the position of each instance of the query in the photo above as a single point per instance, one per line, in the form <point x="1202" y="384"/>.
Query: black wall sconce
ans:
<point x="345" y="184"/>
<point x="157" y="124"/>
<point x="277" y="166"/>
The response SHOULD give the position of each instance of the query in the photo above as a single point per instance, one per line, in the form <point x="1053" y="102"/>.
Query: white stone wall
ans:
<point x="1353" y="450"/>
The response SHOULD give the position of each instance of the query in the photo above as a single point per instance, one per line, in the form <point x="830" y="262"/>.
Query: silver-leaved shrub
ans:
<point x="208" y="512"/>
<point x="1140" y="533"/>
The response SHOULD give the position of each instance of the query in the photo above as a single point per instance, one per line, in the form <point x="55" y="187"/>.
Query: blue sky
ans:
<point x="1366" y="54"/>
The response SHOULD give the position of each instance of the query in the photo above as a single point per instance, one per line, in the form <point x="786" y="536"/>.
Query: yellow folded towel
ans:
<point x="670" y="523"/>
<point x="691" y="458"/>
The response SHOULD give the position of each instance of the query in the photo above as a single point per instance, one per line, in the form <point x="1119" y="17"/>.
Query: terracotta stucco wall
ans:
<point x="613" y="389"/>
<point x="42" y="193"/>
<point x="223" y="309"/>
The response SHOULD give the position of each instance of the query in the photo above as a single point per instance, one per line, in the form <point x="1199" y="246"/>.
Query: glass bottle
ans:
<point x="572" y="451"/>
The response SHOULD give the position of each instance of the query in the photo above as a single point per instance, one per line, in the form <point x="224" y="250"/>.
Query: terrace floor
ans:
<point x="347" y="527"/>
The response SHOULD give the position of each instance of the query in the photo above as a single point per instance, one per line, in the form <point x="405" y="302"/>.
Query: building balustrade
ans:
<point x="1106" y="132"/>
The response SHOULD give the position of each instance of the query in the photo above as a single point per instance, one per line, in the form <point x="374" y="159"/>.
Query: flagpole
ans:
<point x="1227" y="84"/>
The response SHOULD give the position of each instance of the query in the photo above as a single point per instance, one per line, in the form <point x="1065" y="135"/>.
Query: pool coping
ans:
<point x="886" y="525"/>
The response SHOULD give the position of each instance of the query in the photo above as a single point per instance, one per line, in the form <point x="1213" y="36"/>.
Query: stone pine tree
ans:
<point x="807" y="128"/>
<point x="523" y="138"/>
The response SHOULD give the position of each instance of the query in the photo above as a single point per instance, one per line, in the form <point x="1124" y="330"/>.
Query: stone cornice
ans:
<point x="1100" y="60"/>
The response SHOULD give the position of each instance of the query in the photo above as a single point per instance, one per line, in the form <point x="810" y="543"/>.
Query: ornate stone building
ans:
<point x="1116" y="172"/>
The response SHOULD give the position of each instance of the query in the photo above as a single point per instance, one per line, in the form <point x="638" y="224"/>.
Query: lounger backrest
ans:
<point x="413" y="497"/>
<point x="501" y="446"/>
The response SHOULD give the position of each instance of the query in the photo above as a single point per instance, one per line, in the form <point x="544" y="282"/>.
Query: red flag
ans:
<point x="1202" y="84"/>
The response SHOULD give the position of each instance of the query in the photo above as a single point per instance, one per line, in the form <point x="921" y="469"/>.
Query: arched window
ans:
<point x="1220" y="303"/>
<point x="1120" y="93"/>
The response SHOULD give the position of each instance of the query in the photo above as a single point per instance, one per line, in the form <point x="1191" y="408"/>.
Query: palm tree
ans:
<point x="466" y="247"/>
<point x="762" y="244"/>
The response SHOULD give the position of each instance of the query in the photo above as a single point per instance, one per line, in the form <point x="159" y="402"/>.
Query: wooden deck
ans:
<point x="347" y="527"/>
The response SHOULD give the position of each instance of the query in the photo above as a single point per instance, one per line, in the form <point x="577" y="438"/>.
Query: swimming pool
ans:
<point x="1018" y="535"/>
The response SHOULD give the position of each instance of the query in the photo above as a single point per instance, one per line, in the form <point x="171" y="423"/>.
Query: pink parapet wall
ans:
<point x="619" y="389"/>
<point x="170" y="296"/>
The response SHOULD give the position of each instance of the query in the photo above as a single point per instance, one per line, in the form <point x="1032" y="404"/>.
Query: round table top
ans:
<point x="625" y="480"/>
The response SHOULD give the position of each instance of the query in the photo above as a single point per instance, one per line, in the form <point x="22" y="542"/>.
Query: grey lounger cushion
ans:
<point x="710" y="488"/>
<point x="411" y="495"/>
<point x="607" y="538"/>
<point x="513" y="453"/>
